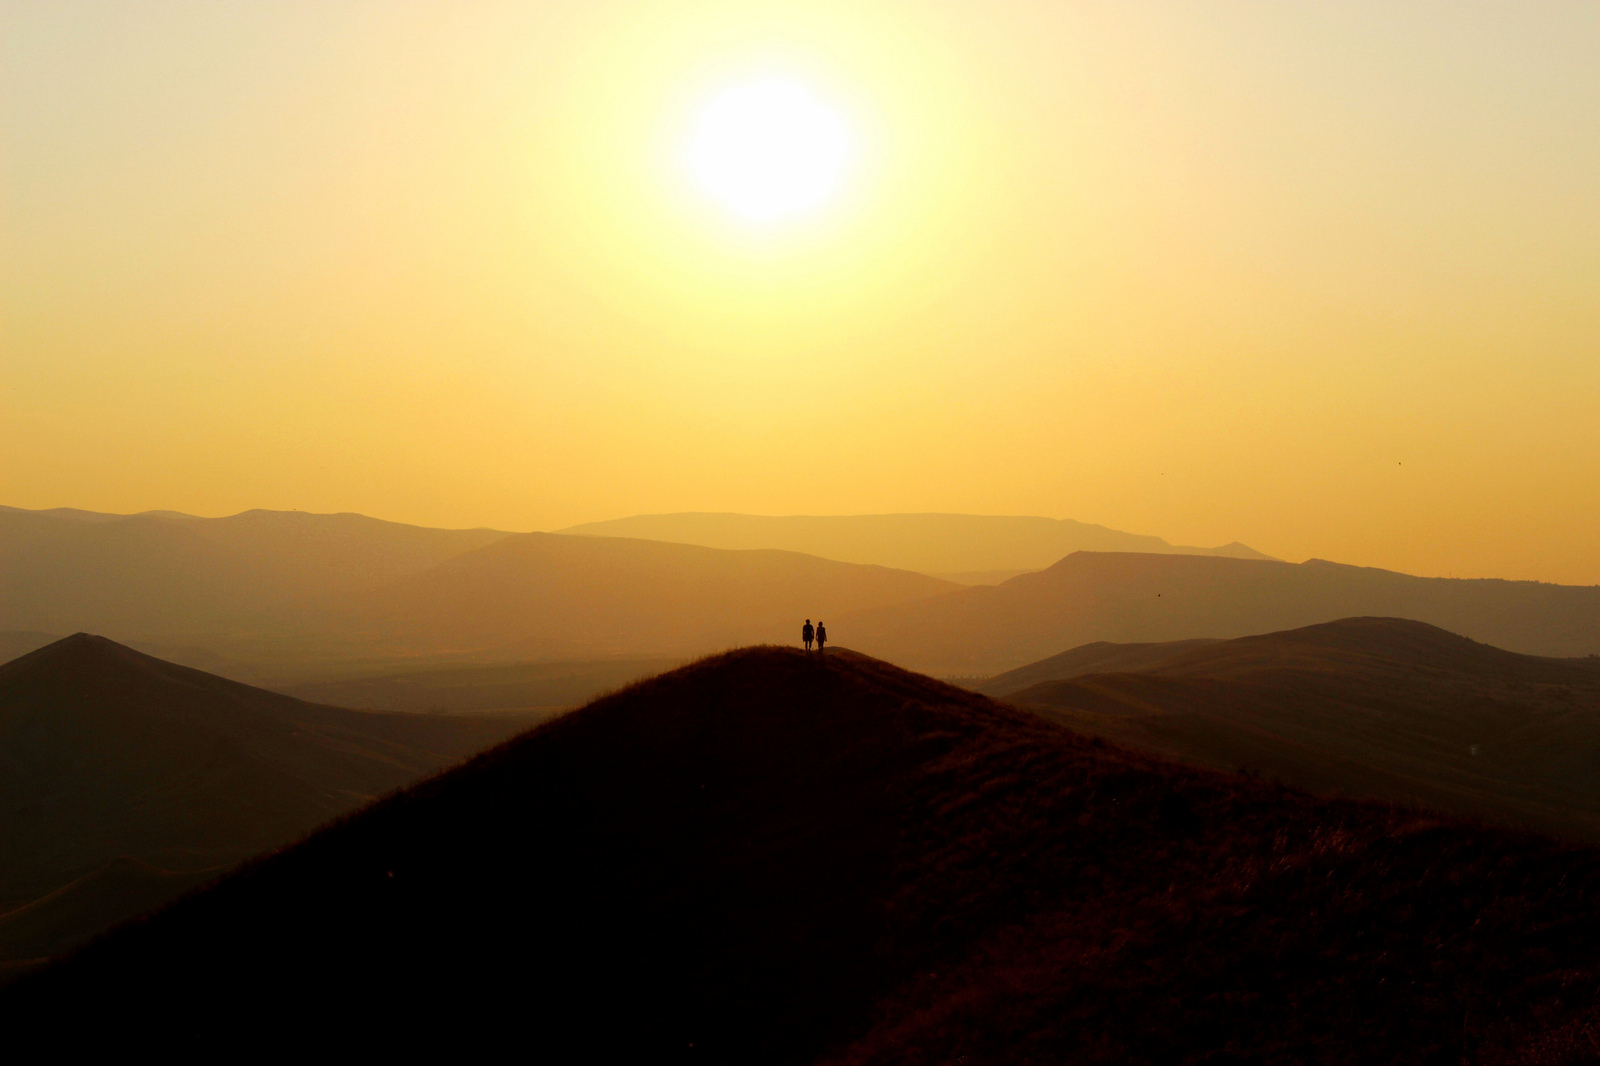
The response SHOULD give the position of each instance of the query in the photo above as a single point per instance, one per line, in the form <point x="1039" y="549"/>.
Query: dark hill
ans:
<point x="106" y="753"/>
<point x="1126" y="597"/>
<point x="765" y="858"/>
<point x="1379" y="707"/>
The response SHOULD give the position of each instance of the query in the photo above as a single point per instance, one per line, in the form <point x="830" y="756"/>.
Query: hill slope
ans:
<point x="1093" y="596"/>
<point x="1101" y="657"/>
<point x="941" y="544"/>
<point x="547" y="595"/>
<point x="1378" y="707"/>
<point x="106" y="753"/>
<point x="768" y="858"/>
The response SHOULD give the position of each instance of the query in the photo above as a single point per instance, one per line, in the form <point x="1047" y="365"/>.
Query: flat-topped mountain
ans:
<point x="1380" y="707"/>
<point x="109" y="755"/>
<point x="940" y="544"/>
<point x="778" y="858"/>
<point x="1125" y="598"/>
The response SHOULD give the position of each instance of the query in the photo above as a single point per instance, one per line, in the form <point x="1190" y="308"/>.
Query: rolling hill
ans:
<point x="980" y="548"/>
<point x="1379" y="707"/>
<point x="547" y="595"/>
<point x="1101" y="657"/>
<point x="120" y="774"/>
<point x="769" y="857"/>
<point x="1124" y="597"/>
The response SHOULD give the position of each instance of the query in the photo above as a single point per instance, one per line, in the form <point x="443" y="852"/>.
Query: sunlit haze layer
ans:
<point x="1320" y="278"/>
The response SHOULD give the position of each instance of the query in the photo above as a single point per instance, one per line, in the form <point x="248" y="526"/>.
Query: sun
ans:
<point x="768" y="150"/>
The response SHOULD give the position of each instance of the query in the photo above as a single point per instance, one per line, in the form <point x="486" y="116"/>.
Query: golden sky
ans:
<point x="1323" y="278"/>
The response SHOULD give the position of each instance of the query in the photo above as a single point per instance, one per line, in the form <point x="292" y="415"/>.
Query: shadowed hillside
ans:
<point x="108" y="755"/>
<point x="1377" y="707"/>
<point x="552" y="596"/>
<point x="769" y="858"/>
<point x="940" y="544"/>
<point x="1091" y="596"/>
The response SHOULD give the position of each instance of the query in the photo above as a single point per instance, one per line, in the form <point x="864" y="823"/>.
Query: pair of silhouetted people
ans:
<point x="819" y="634"/>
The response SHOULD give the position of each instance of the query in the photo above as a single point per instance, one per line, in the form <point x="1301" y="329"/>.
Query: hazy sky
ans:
<point x="1324" y="278"/>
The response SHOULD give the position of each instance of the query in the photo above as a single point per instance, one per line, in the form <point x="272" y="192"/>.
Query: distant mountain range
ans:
<point x="292" y="598"/>
<point x="1379" y="707"/>
<point x="982" y="548"/>
<point x="768" y="857"/>
<point x="1126" y="597"/>
<point x="546" y="594"/>
<point x="260" y="577"/>
<point x="125" y="779"/>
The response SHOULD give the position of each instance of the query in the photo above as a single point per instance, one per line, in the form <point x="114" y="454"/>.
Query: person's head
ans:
<point x="808" y="621"/>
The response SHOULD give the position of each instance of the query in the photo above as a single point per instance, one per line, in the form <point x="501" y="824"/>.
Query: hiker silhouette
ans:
<point x="806" y="633"/>
<point x="822" y="636"/>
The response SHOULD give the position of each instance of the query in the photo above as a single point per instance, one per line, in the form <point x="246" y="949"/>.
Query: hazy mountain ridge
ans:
<point x="938" y="544"/>
<point x="274" y="596"/>
<point x="1127" y="598"/>
<point x="550" y="595"/>
<point x="544" y="685"/>
<point x="162" y="576"/>
<point x="769" y="857"/>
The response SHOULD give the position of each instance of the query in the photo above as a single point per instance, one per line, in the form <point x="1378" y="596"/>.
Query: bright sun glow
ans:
<point x="767" y="150"/>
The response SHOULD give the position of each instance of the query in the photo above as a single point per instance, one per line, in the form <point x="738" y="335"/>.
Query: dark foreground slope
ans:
<point x="762" y="858"/>
<point x="123" y="778"/>
<point x="1380" y="707"/>
<point x="1128" y="597"/>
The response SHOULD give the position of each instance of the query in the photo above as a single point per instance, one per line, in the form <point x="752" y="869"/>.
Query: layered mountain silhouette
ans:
<point x="976" y="549"/>
<point x="1138" y="598"/>
<point x="288" y="597"/>
<point x="1379" y="707"/>
<point x="163" y="576"/>
<point x="123" y="777"/>
<point x="272" y="596"/>
<point x="550" y="595"/>
<point x="772" y="857"/>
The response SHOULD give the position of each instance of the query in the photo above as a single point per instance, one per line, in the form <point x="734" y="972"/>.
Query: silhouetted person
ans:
<point x="806" y="633"/>
<point x="822" y="636"/>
